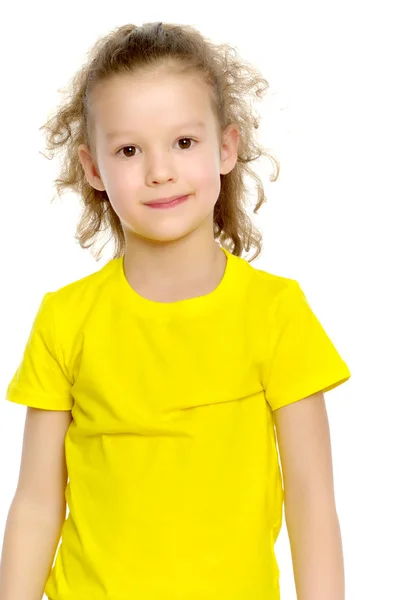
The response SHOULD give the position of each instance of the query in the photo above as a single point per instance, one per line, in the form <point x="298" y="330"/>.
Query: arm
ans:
<point x="310" y="511"/>
<point x="38" y="509"/>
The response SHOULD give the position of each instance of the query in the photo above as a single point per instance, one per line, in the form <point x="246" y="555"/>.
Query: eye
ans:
<point x="184" y="139"/>
<point x="124" y="149"/>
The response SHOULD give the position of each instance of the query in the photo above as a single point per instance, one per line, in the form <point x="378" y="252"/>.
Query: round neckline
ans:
<point x="180" y="307"/>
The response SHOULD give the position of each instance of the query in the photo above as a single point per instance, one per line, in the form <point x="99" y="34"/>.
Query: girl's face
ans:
<point x="156" y="136"/>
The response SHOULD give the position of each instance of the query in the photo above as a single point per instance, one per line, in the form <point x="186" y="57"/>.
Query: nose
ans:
<point x="160" y="169"/>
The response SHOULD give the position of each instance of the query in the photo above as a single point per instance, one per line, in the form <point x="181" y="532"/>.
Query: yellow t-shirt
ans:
<point x="174" y="490"/>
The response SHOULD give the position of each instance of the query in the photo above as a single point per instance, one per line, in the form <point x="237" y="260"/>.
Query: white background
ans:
<point x="331" y="222"/>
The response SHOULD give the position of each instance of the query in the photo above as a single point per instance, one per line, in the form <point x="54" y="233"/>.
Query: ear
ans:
<point x="90" y="168"/>
<point x="229" y="149"/>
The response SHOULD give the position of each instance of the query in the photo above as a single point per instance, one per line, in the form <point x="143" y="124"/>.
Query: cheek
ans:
<point x="205" y="178"/>
<point x="118" y="182"/>
<point x="210" y="187"/>
<point x="122" y="191"/>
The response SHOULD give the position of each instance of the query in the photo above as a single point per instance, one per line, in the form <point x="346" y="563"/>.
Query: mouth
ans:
<point x="167" y="203"/>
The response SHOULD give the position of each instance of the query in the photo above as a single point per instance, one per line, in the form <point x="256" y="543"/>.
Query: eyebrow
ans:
<point x="196" y="124"/>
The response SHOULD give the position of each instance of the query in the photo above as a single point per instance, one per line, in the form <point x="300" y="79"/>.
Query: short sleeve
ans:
<point x="40" y="381"/>
<point x="302" y="359"/>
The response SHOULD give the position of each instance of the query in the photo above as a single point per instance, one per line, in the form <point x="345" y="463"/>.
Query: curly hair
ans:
<point x="232" y="82"/>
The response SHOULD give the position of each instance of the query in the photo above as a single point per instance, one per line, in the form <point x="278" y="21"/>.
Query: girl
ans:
<point x="154" y="386"/>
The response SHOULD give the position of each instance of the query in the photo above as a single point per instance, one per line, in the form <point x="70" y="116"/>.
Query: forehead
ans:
<point x="151" y="101"/>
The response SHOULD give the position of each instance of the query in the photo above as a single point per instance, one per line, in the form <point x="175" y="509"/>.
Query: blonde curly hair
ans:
<point x="232" y="82"/>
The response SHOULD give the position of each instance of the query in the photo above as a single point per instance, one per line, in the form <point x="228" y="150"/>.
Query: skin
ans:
<point x="305" y="450"/>
<point x="169" y="253"/>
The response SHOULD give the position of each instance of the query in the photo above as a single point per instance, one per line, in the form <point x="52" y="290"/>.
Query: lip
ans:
<point x="167" y="202"/>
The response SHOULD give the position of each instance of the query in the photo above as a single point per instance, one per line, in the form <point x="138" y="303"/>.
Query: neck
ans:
<point x="172" y="266"/>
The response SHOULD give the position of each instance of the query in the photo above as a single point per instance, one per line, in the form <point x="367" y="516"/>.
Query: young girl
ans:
<point x="154" y="385"/>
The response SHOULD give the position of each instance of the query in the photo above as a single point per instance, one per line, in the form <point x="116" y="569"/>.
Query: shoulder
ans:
<point x="81" y="293"/>
<point x="268" y="290"/>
